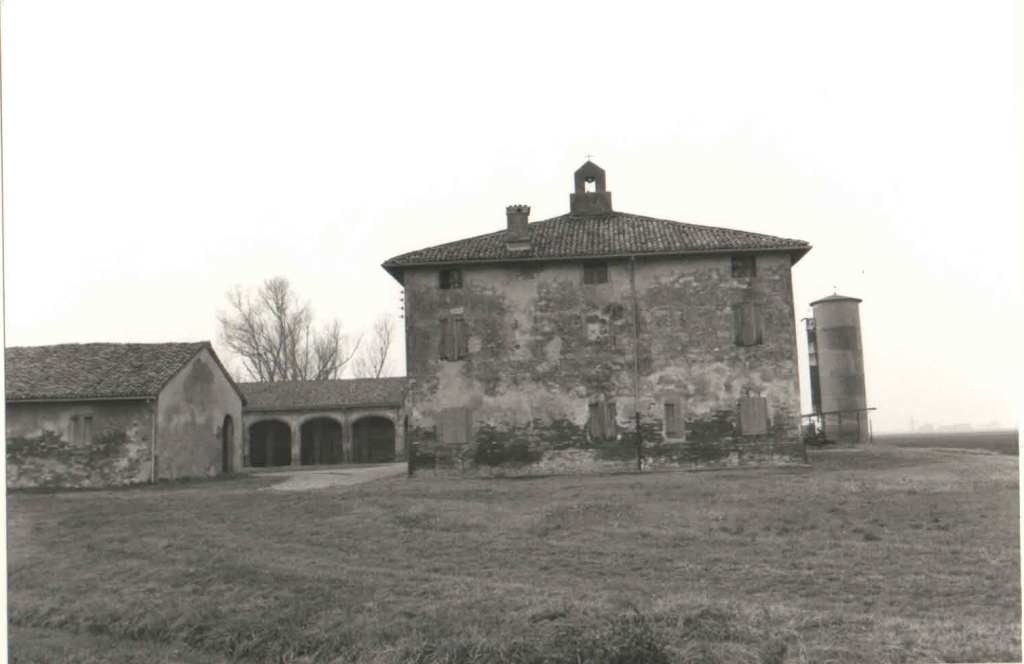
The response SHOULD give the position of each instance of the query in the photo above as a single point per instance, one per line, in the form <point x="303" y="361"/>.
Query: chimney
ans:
<point x="517" y="236"/>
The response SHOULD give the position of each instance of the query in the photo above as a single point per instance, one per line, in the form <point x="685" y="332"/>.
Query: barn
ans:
<point x="108" y="414"/>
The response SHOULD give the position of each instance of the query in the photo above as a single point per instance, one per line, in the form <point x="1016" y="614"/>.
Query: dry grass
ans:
<point x="881" y="555"/>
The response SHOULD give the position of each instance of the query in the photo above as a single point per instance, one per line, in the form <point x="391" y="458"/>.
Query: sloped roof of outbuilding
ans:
<point x="321" y="394"/>
<point x="96" y="370"/>
<point x="573" y="236"/>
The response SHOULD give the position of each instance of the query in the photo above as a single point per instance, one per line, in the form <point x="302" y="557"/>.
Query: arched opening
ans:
<point x="270" y="444"/>
<point x="320" y="441"/>
<point x="373" y="440"/>
<point x="227" y="443"/>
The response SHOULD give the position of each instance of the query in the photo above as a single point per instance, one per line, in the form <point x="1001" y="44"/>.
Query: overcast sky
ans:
<point x="159" y="153"/>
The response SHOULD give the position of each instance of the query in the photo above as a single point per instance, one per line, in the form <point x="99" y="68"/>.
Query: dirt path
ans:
<point x="309" y="480"/>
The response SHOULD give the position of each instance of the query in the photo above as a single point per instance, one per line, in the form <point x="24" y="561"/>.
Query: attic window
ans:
<point x="595" y="273"/>
<point x="744" y="266"/>
<point x="451" y="278"/>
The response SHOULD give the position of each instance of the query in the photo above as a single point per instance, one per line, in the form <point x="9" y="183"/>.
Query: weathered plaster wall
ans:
<point x="543" y="345"/>
<point x="346" y="417"/>
<point x="191" y="413"/>
<point x="41" y="451"/>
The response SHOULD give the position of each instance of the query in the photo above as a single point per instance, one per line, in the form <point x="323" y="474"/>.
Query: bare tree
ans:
<point x="373" y="362"/>
<point x="272" y="334"/>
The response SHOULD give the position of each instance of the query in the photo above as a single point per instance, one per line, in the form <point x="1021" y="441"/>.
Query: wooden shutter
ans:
<point x="461" y="342"/>
<point x="596" y="421"/>
<point x="443" y="345"/>
<point x="671" y="419"/>
<point x="753" y="415"/>
<point x="747" y="326"/>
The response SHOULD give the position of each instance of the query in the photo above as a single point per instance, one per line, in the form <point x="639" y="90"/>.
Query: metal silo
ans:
<point x="842" y="400"/>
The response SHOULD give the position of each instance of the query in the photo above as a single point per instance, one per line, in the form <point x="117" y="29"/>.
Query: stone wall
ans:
<point x="192" y="410"/>
<point x="44" y="450"/>
<point x="547" y="353"/>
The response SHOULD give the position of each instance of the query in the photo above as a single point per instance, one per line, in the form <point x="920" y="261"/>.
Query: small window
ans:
<point x="744" y="266"/>
<point x="748" y="325"/>
<point x="673" y="428"/>
<point x="602" y="420"/>
<point x="87" y="430"/>
<point x="454" y="339"/>
<point x="75" y="430"/>
<point x="451" y="278"/>
<point x="595" y="273"/>
<point x="753" y="416"/>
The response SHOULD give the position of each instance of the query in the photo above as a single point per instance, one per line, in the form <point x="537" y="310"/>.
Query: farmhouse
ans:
<point x="104" y="414"/>
<point x="559" y="342"/>
<point x="324" y="421"/>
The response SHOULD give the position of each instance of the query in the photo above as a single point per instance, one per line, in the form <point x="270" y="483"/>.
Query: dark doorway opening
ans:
<point x="320" y="442"/>
<point x="227" y="434"/>
<point x="270" y="444"/>
<point x="373" y="440"/>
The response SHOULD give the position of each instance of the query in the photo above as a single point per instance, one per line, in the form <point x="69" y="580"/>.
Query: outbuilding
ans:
<point x="108" y="414"/>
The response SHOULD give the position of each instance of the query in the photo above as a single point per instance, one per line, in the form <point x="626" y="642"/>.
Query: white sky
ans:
<point x="158" y="153"/>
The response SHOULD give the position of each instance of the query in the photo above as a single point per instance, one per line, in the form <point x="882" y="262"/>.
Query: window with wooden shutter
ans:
<point x="446" y="334"/>
<point x="672" y="423"/>
<point x="753" y="416"/>
<point x="602" y="420"/>
<point x="454" y="342"/>
<point x="748" y="328"/>
<point x="461" y="338"/>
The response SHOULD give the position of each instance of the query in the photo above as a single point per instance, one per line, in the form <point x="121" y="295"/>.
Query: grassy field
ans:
<point x="1003" y="442"/>
<point x="880" y="555"/>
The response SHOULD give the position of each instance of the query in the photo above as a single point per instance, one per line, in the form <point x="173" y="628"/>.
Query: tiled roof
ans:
<point x="609" y="234"/>
<point x="93" y="371"/>
<point x="314" y="394"/>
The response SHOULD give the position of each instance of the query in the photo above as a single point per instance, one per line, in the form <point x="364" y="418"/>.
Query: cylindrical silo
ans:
<point x="840" y="360"/>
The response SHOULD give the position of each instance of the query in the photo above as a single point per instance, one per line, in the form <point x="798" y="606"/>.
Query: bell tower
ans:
<point x="590" y="196"/>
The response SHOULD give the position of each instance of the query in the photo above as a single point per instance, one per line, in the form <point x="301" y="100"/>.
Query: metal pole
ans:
<point x="639" y="442"/>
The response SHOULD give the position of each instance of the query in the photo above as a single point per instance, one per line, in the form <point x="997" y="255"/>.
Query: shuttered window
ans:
<point x="456" y="426"/>
<point x="454" y="342"/>
<point x="753" y="416"/>
<point x="602" y="420"/>
<point x="748" y="326"/>
<point x="673" y="427"/>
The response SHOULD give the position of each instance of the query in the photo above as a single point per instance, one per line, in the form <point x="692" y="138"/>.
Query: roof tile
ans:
<point x="93" y="371"/>
<point x="610" y="234"/>
<point x="318" y="394"/>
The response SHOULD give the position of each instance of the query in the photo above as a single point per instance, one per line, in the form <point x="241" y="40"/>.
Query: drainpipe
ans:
<point x="152" y="442"/>
<point x="636" y="364"/>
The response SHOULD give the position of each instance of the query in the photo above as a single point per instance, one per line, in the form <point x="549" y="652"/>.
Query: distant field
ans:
<point x="883" y="554"/>
<point x="1004" y="442"/>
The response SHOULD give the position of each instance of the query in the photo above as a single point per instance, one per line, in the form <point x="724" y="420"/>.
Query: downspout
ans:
<point x="636" y="363"/>
<point x="152" y="442"/>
